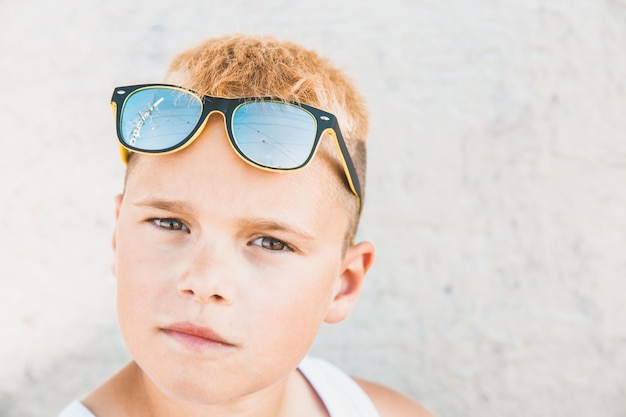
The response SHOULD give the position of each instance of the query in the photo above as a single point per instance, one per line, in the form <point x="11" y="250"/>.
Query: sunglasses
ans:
<point x="271" y="134"/>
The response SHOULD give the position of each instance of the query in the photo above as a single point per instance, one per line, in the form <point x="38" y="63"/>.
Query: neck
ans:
<point x="132" y="393"/>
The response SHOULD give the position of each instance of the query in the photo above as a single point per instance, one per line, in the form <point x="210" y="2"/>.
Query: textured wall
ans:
<point x="496" y="193"/>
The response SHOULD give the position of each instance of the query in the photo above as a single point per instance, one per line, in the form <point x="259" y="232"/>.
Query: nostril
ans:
<point x="189" y="292"/>
<point x="205" y="281"/>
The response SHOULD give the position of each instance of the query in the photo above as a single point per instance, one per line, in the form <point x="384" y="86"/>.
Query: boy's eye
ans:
<point x="271" y="243"/>
<point x="170" y="224"/>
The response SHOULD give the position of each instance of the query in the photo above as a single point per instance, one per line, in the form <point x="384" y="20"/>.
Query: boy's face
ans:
<point x="225" y="272"/>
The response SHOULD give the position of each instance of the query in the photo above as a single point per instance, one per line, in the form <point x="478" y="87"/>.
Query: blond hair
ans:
<point x="245" y="66"/>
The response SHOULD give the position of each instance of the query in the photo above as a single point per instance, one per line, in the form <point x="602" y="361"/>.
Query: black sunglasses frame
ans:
<point x="325" y="122"/>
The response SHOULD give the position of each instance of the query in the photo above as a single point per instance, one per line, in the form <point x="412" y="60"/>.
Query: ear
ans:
<point x="118" y="205"/>
<point x="356" y="262"/>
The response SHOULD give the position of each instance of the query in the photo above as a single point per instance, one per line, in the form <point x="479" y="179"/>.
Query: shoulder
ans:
<point x="391" y="403"/>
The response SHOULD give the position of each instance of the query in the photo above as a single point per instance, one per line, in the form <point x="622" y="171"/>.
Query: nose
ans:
<point x="209" y="276"/>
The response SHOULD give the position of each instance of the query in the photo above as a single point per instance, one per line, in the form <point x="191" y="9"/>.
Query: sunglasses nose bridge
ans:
<point x="214" y="113"/>
<point x="202" y="123"/>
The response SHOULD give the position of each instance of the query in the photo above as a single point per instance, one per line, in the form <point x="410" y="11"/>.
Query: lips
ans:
<point x="196" y="338"/>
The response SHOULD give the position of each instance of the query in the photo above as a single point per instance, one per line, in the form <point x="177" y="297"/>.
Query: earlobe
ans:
<point x="357" y="261"/>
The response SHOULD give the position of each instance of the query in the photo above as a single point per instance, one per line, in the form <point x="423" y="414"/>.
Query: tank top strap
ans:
<point x="341" y="395"/>
<point x="76" y="409"/>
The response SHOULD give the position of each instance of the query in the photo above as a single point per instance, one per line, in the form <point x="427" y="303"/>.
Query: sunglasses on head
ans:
<point x="271" y="134"/>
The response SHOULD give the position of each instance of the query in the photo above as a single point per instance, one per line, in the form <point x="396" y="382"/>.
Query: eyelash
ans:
<point x="168" y="224"/>
<point x="286" y="247"/>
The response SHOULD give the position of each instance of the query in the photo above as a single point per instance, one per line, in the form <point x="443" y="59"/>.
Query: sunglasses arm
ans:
<point x="348" y="165"/>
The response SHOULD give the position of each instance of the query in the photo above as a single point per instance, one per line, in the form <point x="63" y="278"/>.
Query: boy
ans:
<point x="234" y="238"/>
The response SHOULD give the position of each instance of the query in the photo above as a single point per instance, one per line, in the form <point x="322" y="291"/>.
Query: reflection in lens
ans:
<point x="159" y="118"/>
<point x="274" y="134"/>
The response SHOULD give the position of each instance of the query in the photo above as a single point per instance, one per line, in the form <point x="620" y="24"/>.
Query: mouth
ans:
<point x="196" y="338"/>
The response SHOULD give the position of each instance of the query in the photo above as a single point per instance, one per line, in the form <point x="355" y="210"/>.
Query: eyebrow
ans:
<point x="177" y="206"/>
<point x="166" y="205"/>
<point x="277" y="226"/>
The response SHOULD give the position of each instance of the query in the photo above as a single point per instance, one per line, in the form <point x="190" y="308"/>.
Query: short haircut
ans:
<point x="253" y="66"/>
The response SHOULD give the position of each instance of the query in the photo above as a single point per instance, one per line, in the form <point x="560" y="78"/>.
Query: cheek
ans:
<point x="133" y="293"/>
<point x="288" y="316"/>
<point x="140" y="283"/>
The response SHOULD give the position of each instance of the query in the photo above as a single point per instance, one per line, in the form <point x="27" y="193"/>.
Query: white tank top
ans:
<point x="341" y="396"/>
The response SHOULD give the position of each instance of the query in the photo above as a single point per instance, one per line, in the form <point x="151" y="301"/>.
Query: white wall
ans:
<point x="496" y="192"/>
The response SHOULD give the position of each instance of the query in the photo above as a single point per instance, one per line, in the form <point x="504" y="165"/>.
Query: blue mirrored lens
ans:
<point x="274" y="134"/>
<point x="159" y="118"/>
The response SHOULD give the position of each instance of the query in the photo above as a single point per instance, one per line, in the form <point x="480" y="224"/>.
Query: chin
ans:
<point x="204" y="391"/>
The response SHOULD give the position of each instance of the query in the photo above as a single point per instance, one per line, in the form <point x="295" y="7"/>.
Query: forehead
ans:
<point x="210" y="176"/>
